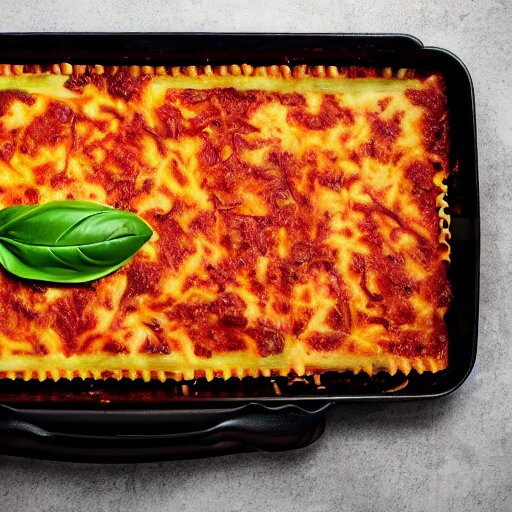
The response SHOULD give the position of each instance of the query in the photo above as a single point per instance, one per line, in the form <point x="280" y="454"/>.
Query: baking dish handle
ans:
<point x="254" y="427"/>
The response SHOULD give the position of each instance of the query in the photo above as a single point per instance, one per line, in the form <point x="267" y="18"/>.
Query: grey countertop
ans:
<point x="446" y="455"/>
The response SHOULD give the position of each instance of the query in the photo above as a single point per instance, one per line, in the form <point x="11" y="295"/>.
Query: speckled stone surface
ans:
<point x="447" y="455"/>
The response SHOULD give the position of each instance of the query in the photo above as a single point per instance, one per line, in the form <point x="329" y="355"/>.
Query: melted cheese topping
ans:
<point x="299" y="224"/>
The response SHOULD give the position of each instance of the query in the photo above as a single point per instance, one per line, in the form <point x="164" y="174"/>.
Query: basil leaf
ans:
<point x="68" y="241"/>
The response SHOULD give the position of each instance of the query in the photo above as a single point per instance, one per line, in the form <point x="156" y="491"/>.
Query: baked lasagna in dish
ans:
<point x="298" y="219"/>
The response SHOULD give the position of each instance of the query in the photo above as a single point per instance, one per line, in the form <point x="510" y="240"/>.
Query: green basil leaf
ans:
<point x="68" y="241"/>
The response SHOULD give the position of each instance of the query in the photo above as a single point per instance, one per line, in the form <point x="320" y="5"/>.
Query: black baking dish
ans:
<point x="125" y="420"/>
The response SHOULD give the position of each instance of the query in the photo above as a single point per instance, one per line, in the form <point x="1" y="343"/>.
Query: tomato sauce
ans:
<point x="71" y="319"/>
<point x="8" y="97"/>
<point x="121" y="85"/>
<point x="434" y="120"/>
<point x="330" y="114"/>
<point x="48" y="129"/>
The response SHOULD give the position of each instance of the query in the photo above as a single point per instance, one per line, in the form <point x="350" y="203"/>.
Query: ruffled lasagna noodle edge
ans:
<point x="57" y="367"/>
<point x="282" y="71"/>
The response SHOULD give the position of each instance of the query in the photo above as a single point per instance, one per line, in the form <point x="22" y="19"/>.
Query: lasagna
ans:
<point x="299" y="220"/>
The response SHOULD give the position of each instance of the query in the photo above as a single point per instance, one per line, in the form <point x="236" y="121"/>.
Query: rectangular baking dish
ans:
<point x="126" y="420"/>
